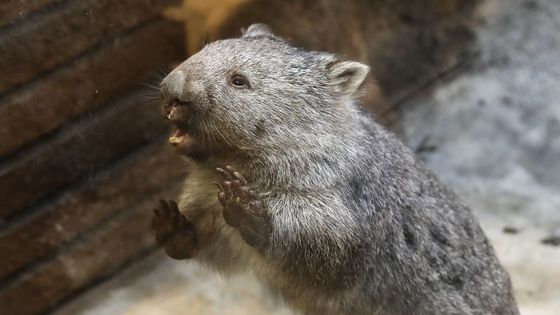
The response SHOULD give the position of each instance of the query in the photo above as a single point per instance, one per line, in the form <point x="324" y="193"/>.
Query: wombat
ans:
<point x="322" y="204"/>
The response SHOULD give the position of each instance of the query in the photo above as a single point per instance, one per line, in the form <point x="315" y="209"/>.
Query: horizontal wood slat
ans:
<point x="85" y="83"/>
<point x="80" y="209"/>
<point x="15" y="10"/>
<point x="83" y="157"/>
<point x="67" y="32"/>
<point x="98" y="255"/>
<point x="78" y="150"/>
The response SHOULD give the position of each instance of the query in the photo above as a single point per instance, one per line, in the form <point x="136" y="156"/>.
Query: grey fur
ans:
<point x="359" y="226"/>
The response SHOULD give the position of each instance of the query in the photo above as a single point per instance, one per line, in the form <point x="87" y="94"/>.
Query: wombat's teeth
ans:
<point x="175" y="140"/>
<point x="177" y="137"/>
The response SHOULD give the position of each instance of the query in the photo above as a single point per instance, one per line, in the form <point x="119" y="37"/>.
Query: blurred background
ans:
<point x="473" y="87"/>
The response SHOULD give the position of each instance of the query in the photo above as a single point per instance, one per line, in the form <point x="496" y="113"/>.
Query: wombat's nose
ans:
<point x="172" y="85"/>
<point x="172" y="90"/>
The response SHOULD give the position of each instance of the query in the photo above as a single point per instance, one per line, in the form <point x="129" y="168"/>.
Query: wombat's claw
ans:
<point x="173" y="231"/>
<point x="242" y="208"/>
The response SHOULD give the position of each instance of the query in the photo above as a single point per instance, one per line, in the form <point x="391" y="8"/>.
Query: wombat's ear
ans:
<point x="346" y="77"/>
<point x="257" y="29"/>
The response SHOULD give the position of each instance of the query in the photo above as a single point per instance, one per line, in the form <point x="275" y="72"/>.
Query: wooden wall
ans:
<point x="82" y="147"/>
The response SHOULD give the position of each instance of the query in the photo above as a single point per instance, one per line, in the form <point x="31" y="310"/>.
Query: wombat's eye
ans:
<point x="239" y="81"/>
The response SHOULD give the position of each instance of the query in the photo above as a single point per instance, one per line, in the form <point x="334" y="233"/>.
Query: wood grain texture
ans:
<point x="93" y="201"/>
<point x="78" y="150"/>
<point x="83" y="159"/>
<point x="86" y="83"/>
<point x="12" y="11"/>
<point x="66" y="32"/>
<point x="98" y="255"/>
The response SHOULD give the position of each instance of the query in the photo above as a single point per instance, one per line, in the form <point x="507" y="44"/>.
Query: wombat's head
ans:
<point x="256" y="91"/>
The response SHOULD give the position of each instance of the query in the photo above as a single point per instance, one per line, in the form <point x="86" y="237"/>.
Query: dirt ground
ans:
<point x="494" y="136"/>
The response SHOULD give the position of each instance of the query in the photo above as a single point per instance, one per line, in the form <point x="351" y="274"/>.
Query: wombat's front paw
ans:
<point x="243" y="209"/>
<point x="173" y="231"/>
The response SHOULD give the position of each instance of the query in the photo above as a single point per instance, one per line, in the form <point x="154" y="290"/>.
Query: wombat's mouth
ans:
<point x="179" y="137"/>
<point x="188" y="136"/>
<point x="184" y="142"/>
<point x="182" y="139"/>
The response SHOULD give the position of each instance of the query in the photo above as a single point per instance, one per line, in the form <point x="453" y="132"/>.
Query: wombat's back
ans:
<point x="428" y="253"/>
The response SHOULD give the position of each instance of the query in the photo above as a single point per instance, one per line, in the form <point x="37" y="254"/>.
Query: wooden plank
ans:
<point x="84" y="84"/>
<point x="66" y="32"/>
<point x="78" y="150"/>
<point x="83" y="208"/>
<point x="12" y="11"/>
<point x="100" y="254"/>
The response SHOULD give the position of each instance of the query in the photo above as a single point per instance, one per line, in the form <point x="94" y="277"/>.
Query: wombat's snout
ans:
<point x="172" y="88"/>
<point x="172" y="85"/>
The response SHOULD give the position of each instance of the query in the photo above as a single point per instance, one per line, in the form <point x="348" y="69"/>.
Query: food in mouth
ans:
<point x="181" y="138"/>
<point x="183" y="141"/>
<point x="185" y="144"/>
<point x="177" y="137"/>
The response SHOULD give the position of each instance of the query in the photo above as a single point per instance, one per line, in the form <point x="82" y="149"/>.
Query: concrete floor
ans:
<point x="495" y="131"/>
